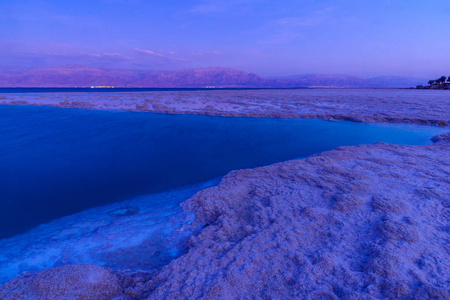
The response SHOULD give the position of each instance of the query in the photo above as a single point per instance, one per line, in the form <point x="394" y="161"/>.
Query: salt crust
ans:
<point x="360" y="105"/>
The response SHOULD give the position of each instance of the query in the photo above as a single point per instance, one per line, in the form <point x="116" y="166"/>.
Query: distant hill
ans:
<point x="328" y="80"/>
<point x="218" y="77"/>
<point x="69" y="76"/>
<point x="82" y="76"/>
<point x="340" y="80"/>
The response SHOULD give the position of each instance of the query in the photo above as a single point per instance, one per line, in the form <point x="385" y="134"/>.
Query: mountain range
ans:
<point x="83" y="76"/>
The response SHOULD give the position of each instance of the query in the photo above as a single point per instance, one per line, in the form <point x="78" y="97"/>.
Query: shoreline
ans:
<point x="298" y="229"/>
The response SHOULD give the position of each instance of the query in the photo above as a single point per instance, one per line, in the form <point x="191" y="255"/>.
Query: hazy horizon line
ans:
<point x="215" y="67"/>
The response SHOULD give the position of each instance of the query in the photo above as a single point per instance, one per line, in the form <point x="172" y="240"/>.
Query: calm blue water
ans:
<point x="55" y="162"/>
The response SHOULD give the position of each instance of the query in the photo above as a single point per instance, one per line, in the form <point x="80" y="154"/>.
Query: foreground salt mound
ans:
<point x="356" y="223"/>
<point x="364" y="222"/>
<point x="81" y="281"/>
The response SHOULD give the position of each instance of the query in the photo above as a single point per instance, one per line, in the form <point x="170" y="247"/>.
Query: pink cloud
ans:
<point x="148" y="52"/>
<point x="159" y="55"/>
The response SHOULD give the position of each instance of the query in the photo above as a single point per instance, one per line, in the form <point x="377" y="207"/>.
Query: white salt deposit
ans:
<point x="364" y="105"/>
<point x="142" y="233"/>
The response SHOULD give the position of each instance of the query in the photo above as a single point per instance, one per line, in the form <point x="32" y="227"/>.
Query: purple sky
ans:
<point x="270" y="38"/>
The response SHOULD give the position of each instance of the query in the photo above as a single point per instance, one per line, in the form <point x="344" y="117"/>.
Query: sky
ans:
<point x="269" y="38"/>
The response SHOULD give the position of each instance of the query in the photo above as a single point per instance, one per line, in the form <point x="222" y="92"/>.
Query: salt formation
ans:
<point x="146" y="232"/>
<point x="360" y="105"/>
<point x="361" y="222"/>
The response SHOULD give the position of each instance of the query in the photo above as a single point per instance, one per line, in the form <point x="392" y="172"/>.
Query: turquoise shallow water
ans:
<point x="56" y="162"/>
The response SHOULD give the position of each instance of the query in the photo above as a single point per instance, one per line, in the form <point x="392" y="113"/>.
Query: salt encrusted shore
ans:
<point x="361" y="105"/>
<point x="360" y="222"/>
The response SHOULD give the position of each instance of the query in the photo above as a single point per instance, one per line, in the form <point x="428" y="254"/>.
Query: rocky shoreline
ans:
<point x="357" y="222"/>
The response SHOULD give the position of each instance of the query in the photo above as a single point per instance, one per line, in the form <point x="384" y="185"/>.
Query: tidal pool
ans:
<point x="55" y="162"/>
